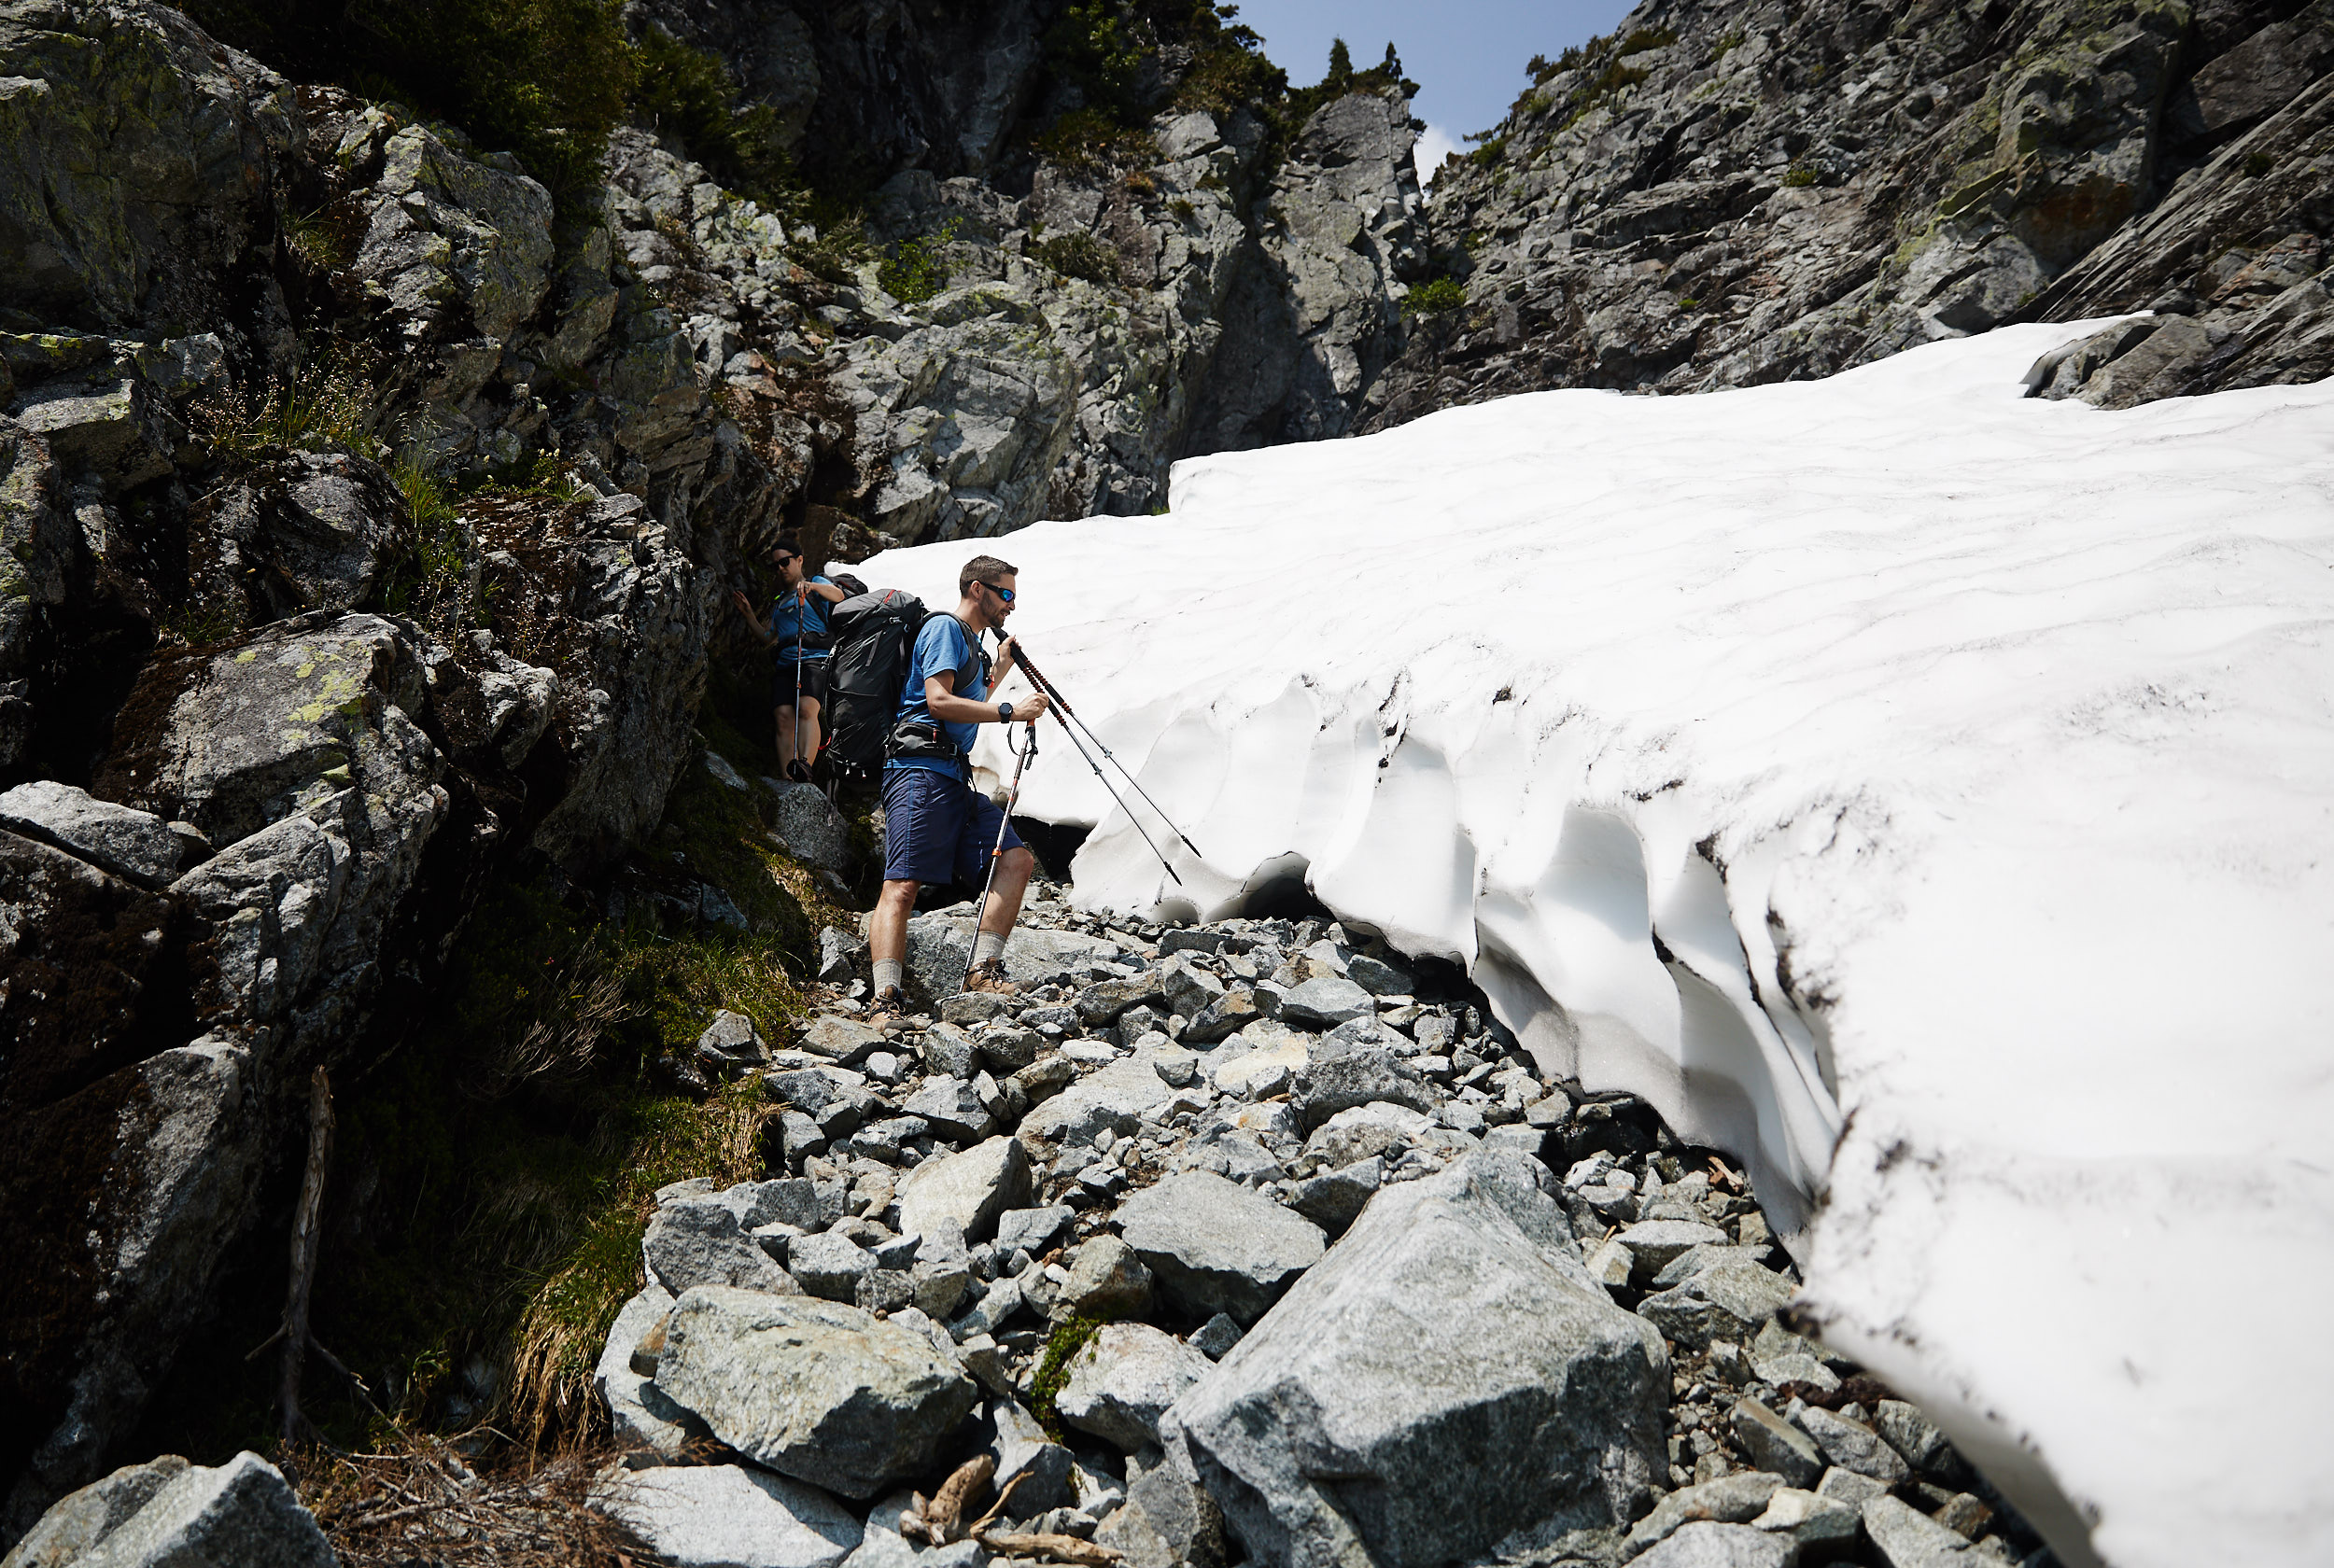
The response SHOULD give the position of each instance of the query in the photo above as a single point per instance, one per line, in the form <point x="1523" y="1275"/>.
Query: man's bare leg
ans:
<point x="996" y="921"/>
<point x="887" y="942"/>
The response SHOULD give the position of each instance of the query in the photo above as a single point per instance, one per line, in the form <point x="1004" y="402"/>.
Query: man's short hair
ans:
<point x="983" y="569"/>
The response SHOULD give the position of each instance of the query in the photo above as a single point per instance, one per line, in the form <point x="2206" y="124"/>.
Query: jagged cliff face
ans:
<point x="1724" y="195"/>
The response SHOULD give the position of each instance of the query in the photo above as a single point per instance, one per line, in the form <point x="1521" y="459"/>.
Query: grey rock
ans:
<point x="1658" y="1243"/>
<point x="845" y="1042"/>
<point x="241" y="1512"/>
<point x="1215" y="1338"/>
<point x="1912" y="1434"/>
<point x="1116" y="1099"/>
<point x="649" y="1428"/>
<point x="1024" y="1454"/>
<point x="1124" y="1380"/>
<point x="1190" y="990"/>
<point x="1323" y="1088"/>
<point x="1824" y="1527"/>
<point x="1434" y="1414"/>
<point x="1905" y="1538"/>
<point x="1849" y="1489"/>
<point x="812" y="831"/>
<point x="1101" y="1003"/>
<point x="1378" y="977"/>
<point x="1031" y="1230"/>
<point x="1726" y="1301"/>
<point x="702" y="1243"/>
<point x="965" y="1194"/>
<point x="1136" y="1023"/>
<point x="134" y="845"/>
<point x="1166" y="1522"/>
<point x="1853" y="1446"/>
<point x="731" y="1037"/>
<point x="968" y="1008"/>
<point x="1366" y="1132"/>
<point x="1735" y="1499"/>
<point x="314" y="530"/>
<point x="1722" y="1546"/>
<point x="949" y="1051"/>
<point x="1334" y="1199"/>
<point x="1774" y="1444"/>
<point x="1326" y="1002"/>
<point x="728" y="1515"/>
<point x="1009" y="1050"/>
<point x="1223" y="1017"/>
<point x="841" y="955"/>
<point x="1214" y="1245"/>
<point x="72" y="1528"/>
<point x="885" y="1290"/>
<point x="1107" y="1280"/>
<point x="829" y="1267"/>
<point x="819" y="1392"/>
<point x="952" y="1108"/>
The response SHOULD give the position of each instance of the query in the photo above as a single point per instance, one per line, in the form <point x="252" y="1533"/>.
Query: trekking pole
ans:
<point x="1053" y="693"/>
<point x="996" y="853"/>
<point x="800" y="591"/>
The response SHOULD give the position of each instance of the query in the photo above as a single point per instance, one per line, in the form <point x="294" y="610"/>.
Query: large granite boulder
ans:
<point x="816" y="1390"/>
<point x="1215" y="1246"/>
<point x="1367" y="1420"/>
<point x="168" y="1513"/>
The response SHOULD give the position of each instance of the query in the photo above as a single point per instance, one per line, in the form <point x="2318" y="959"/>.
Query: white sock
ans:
<point x="987" y="947"/>
<point x="887" y="976"/>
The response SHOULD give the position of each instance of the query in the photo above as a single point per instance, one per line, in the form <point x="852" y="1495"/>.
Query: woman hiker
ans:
<point x="798" y="632"/>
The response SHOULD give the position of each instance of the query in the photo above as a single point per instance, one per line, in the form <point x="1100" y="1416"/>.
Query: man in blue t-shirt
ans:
<point x="798" y="632"/>
<point x="936" y="827"/>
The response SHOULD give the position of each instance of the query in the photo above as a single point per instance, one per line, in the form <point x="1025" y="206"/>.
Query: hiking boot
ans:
<point x="888" y="1008"/>
<point x="991" y="977"/>
<point x="798" y="771"/>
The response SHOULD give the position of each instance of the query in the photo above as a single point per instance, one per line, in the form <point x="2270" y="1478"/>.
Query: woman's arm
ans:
<point x="745" y="608"/>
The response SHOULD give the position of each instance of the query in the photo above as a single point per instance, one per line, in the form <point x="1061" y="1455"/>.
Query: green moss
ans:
<point x="1800" y="176"/>
<point x="1053" y="1371"/>
<point x="1646" y="38"/>
<point x="2259" y="163"/>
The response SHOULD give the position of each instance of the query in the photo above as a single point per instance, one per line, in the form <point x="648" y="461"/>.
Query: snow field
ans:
<point x="1922" y="793"/>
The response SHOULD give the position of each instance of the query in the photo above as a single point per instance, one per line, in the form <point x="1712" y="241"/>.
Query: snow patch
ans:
<point x="1923" y="793"/>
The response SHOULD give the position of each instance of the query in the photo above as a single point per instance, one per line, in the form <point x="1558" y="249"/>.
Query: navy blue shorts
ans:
<point x="936" y="828"/>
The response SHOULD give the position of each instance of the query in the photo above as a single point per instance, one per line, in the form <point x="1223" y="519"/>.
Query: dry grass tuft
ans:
<point x="421" y="1503"/>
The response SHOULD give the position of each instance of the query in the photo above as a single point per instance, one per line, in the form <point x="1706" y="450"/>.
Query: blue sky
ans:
<point x="1467" y="56"/>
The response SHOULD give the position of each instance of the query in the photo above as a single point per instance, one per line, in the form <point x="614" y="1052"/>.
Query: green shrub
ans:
<point x="1489" y="155"/>
<point x="686" y="95"/>
<point x="1434" y="297"/>
<point x="916" y="271"/>
<point x="1079" y="255"/>
<point x="1800" y="176"/>
<point x="1091" y="138"/>
<point x="1646" y="38"/>
<point x="2258" y="164"/>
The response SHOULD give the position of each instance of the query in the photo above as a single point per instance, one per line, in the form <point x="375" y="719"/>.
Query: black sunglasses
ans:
<point x="1005" y="593"/>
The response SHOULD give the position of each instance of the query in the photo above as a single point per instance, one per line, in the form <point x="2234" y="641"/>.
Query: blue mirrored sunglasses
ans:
<point x="1005" y="593"/>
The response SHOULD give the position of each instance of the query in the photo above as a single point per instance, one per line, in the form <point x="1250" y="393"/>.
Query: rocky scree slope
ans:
<point x="1726" y="195"/>
<point x="1238" y="1239"/>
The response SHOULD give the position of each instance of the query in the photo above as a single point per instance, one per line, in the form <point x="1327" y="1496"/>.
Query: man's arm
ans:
<point x="828" y="592"/>
<point x="941" y="696"/>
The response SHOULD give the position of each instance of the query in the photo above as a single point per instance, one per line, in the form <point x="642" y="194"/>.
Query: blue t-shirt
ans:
<point x="941" y="646"/>
<point x="790" y="621"/>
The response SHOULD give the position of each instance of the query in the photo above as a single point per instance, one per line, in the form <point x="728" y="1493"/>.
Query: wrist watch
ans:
<point x="1004" y="713"/>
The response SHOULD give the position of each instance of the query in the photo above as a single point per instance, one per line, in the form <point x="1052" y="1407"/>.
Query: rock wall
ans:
<point x="1726" y="195"/>
<point x="366" y="513"/>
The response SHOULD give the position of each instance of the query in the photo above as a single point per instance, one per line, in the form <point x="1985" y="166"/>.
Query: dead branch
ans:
<point x="1064" y="1548"/>
<point x="997" y="1507"/>
<point x="944" y="1516"/>
<point x="306" y="1231"/>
